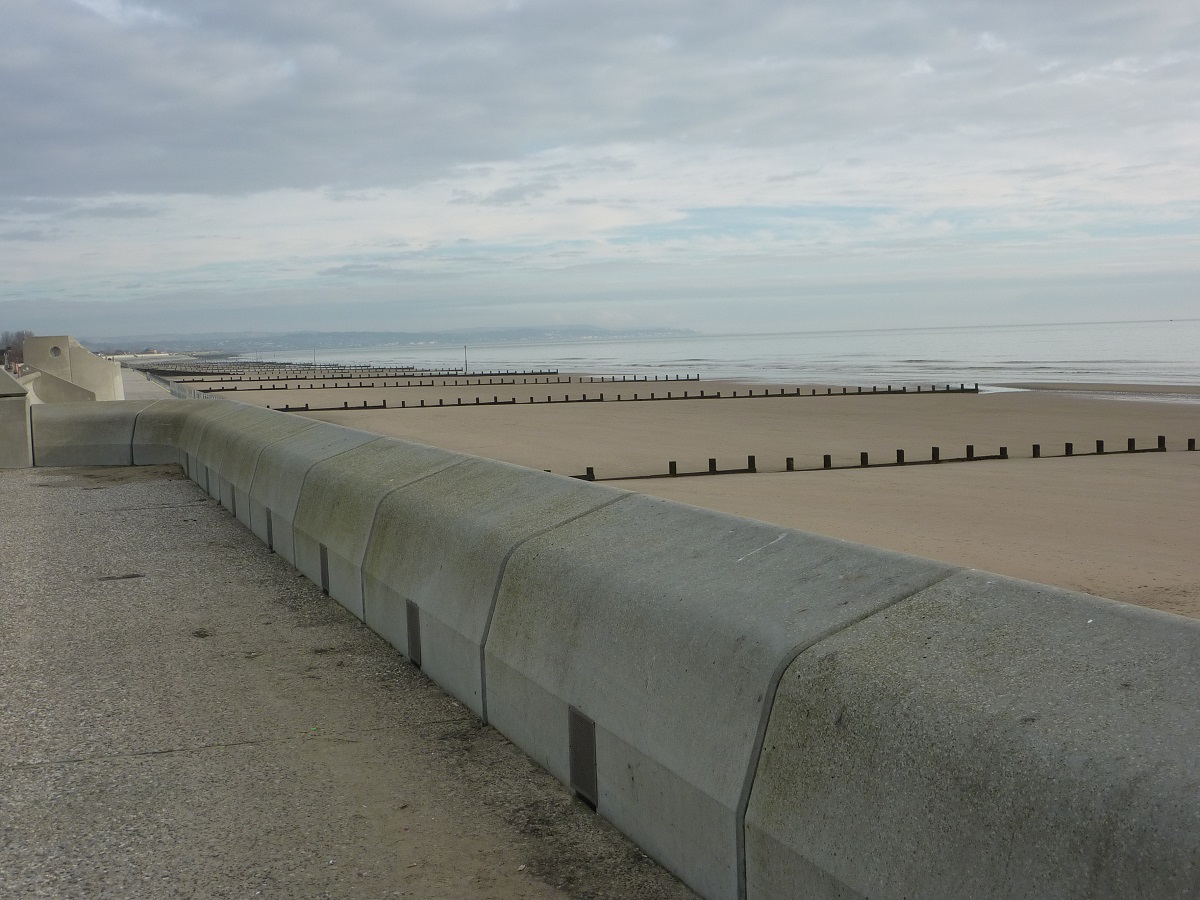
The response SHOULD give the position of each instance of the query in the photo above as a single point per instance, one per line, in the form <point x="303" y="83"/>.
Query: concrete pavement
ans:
<point x="185" y="716"/>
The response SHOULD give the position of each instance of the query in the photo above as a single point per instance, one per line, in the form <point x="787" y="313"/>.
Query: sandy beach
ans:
<point x="1119" y="525"/>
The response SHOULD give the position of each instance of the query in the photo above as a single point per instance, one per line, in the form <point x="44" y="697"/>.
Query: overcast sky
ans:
<point x="187" y="166"/>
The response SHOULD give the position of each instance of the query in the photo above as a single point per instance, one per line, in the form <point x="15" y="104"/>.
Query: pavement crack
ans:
<point x="190" y="503"/>
<point x="135" y="755"/>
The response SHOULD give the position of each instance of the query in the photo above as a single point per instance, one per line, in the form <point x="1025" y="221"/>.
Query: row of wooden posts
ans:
<point x="703" y="395"/>
<point x="396" y="384"/>
<point x="307" y="374"/>
<point x="864" y="460"/>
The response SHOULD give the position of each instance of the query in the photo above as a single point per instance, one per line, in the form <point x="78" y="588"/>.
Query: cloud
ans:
<point x="28" y="234"/>
<point x="128" y="14"/>
<point x="116" y="210"/>
<point x="284" y="149"/>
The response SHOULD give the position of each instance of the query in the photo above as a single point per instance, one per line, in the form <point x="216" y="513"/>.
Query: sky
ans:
<point x="281" y="165"/>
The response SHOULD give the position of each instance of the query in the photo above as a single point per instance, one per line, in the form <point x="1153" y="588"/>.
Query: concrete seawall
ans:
<point x="769" y="713"/>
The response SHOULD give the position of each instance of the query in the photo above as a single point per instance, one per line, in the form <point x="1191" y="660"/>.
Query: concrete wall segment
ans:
<point x="10" y="386"/>
<point x="157" y="432"/>
<point x="280" y="473"/>
<point x="338" y="504"/>
<point x="98" y="375"/>
<point x="985" y="738"/>
<point x="16" y="450"/>
<point x="666" y="625"/>
<point x="199" y="417"/>
<point x="234" y="444"/>
<point x="98" y="433"/>
<point x="49" y="353"/>
<point x="442" y="543"/>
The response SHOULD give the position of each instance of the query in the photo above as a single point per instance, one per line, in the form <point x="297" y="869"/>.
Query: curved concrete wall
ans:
<point x="65" y="358"/>
<point x="767" y="712"/>
<point x="46" y="388"/>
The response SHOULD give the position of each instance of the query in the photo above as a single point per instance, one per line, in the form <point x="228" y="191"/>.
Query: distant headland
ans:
<point x="258" y="342"/>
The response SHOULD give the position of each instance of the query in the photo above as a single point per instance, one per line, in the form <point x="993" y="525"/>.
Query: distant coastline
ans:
<point x="235" y="343"/>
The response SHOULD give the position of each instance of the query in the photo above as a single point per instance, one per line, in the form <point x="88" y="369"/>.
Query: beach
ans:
<point x="1118" y="525"/>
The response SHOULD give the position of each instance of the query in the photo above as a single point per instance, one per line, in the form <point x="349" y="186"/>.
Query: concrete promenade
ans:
<point x="185" y="716"/>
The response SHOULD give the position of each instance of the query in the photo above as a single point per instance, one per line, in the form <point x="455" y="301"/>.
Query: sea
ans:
<point x="1150" y="352"/>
